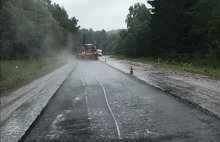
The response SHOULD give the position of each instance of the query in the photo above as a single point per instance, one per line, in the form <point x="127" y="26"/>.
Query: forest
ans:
<point x="180" y="31"/>
<point x="32" y="29"/>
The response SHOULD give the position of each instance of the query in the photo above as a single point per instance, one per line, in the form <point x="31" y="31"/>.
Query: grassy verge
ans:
<point x="193" y="68"/>
<point x="14" y="74"/>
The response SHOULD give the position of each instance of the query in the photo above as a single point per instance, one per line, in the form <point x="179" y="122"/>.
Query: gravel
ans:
<point x="20" y="108"/>
<point x="198" y="90"/>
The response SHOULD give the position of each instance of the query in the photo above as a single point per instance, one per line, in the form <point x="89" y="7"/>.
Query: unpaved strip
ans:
<point x="198" y="90"/>
<point x="20" y="108"/>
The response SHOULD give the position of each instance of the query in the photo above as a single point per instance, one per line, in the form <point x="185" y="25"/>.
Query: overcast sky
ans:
<point x="99" y="14"/>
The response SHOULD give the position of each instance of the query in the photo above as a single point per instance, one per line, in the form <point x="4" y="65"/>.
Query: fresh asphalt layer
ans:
<point x="100" y="103"/>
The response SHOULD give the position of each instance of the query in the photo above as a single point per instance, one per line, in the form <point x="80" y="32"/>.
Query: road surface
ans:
<point x="100" y="103"/>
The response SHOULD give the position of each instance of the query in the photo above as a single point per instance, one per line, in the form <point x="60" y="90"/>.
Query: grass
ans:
<point x="189" y="67"/>
<point x="17" y="73"/>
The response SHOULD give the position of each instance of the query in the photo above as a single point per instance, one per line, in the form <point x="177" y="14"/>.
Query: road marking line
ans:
<point x="67" y="111"/>
<point x="86" y="97"/>
<point x="77" y="99"/>
<point x="82" y="81"/>
<point x="55" y="132"/>
<point x="149" y="132"/>
<point x="106" y="100"/>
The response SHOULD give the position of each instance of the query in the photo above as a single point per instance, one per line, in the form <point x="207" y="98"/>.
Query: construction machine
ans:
<point x="88" y="51"/>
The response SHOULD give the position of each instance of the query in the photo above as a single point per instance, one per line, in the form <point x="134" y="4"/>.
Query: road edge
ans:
<point x="169" y="92"/>
<point x="18" y="134"/>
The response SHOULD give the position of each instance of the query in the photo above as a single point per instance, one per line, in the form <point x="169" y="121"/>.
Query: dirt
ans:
<point x="20" y="108"/>
<point x="198" y="90"/>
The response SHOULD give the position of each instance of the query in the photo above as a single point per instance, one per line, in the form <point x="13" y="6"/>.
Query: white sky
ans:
<point x="99" y="14"/>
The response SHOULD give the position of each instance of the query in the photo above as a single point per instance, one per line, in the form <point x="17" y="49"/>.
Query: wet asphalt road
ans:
<point x="100" y="103"/>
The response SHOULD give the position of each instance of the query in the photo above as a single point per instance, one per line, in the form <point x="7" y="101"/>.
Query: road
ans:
<point x="99" y="103"/>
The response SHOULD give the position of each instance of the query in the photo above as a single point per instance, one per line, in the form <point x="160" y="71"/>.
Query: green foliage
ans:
<point x="60" y="14"/>
<point x="171" y="23"/>
<point x="120" y="48"/>
<point x="189" y="67"/>
<point x="206" y="29"/>
<point x="186" y="31"/>
<point x="137" y="21"/>
<point x="94" y="37"/>
<point x="133" y="42"/>
<point x="181" y="31"/>
<point x="17" y="73"/>
<point x="29" y="29"/>
<point x="137" y="18"/>
<point x="112" y="42"/>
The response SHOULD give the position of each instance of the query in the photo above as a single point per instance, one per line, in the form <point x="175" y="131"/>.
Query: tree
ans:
<point x="60" y="14"/>
<point x="170" y="24"/>
<point x="121" y="45"/>
<point x="138" y="30"/>
<point x="94" y="37"/>
<point x="205" y="32"/>
<point x="138" y="16"/>
<point x="112" y="42"/>
<point x="29" y="30"/>
<point x="46" y="2"/>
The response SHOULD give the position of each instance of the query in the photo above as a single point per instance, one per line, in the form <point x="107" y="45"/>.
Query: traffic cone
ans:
<point x="131" y="71"/>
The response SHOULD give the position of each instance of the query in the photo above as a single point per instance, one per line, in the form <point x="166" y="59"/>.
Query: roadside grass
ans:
<point x="189" y="67"/>
<point x="14" y="74"/>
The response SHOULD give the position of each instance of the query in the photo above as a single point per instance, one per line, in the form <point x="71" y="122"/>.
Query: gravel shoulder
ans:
<point x="200" y="91"/>
<point x="20" y="108"/>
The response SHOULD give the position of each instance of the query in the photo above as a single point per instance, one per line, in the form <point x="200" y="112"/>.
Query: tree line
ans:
<point x="89" y="36"/>
<point x="31" y="29"/>
<point x="184" y="31"/>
